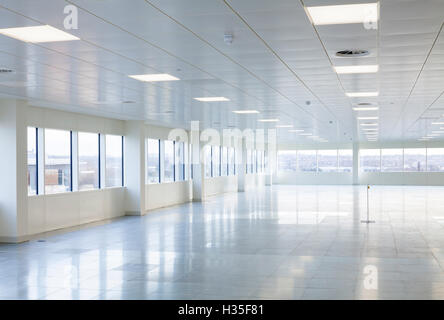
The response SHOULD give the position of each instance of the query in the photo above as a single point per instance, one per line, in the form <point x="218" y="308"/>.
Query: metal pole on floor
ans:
<point x="368" y="209"/>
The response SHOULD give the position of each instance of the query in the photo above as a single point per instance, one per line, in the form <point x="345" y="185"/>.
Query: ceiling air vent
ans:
<point x="5" y="70"/>
<point x="352" y="53"/>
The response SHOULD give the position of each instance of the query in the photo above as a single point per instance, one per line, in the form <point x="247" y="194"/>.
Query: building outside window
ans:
<point x="113" y="161"/>
<point x="168" y="161"/>
<point x="32" y="161"/>
<point x="57" y="161"/>
<point x="327" y="160"/>
<point x="370" y="160"/>
<point x="88" y="146"/>
<point x="307" y="160"/>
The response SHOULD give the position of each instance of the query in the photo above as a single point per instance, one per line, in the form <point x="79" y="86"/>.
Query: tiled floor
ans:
<point x="284" y="242"/>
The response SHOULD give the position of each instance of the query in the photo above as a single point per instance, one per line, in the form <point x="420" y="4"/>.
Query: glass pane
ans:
<point x="260" y="161"/>
<point x="415" y="160"/>
<point x="435" y="159"/>
<point x="32" y="161"/>
<point x="113" y="161"/>
<point x="391" y="160"/>
<point x="57" y="161"/>
<point x="207" y="157"/>
<point x="306" y="160"/>
<point x="345" y="160"/>
<point x="180" y="161"/>
<point x="369" y="160"/>
<point x="88" y="161"/>
<point x="287" y="160"/>
<point x="216" y="160"/>
<point x="224" y="163"/>
<point x="169" y="161"/>
<point x="249" y="168"/>
<point x="327" y="160"/>
<point x="232" y="161"/>
<point x="152" y="169"/>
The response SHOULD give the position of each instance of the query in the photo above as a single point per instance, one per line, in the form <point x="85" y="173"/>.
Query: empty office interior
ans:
<point x="221" y="149"/>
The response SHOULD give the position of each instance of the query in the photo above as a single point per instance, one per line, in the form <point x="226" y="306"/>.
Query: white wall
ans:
<point x="55" y="211"/>
<point x="167" y="194"/>
<point x="13" y="168"/>
<point x="308" y="178"/>
<point x="52" y="212"/>
<point x="218" y="185"/>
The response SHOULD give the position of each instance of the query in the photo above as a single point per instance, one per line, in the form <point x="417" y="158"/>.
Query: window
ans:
<point x="260" y="161"/>
<point x="345" y="159"/>
<point x="224" y="162"/>
<point x="370" y="160"/>
<point x="391" y="160"/>
<point x="113" y="161"/>
<point x="249" y="168"/>
<point x="168" y="161"/>
<point x="435" y="159"/>
<point x="153" y="161"/>
<point x="215" y="161"/>
<point x="32" y="161"/>
<point x="57" y="161"/>
<point x="179" y="149"/>
<point x="307" y="160"/>
<point x="88" y="161"/>
<point x="415" y="160"/>
<point x="232" y="161"/>
<point x="287" y="160"/>
<point x="327" y="160"/>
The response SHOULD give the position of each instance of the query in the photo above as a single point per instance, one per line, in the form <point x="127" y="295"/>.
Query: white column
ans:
<point x="13" y="171"/>
<point x="198" y="168"/>
<point x="135" y="168"/>
<point x="355" y="163"/>
<point x="271" y="168"/>
<point x="241" y="164"/>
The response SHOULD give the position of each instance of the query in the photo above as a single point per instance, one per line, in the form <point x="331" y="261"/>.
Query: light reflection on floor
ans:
<point x="284" y="242"/>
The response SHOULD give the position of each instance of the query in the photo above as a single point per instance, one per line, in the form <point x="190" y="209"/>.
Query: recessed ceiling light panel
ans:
<point x="245" y="111"/>
<point x="155" y="77"/>
<point x="38" y="34"/>
<point x="344" y="14"/>
<point x="356" y="69"/>
<point x="362" y="94"/>
<point x="212" y="99"/>
<point x="268" y="120"/>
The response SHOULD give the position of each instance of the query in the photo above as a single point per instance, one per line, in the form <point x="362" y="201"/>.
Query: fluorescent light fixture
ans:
<point x="438" y="123"/>
<point x="245" y="111"/>
<point x="357" y="69"/>
<point x="155" y="77"/>
<point x="305" y="134"/>
<point x="38" y="34"/>
<point x="285" y="126"/>
<point x="268" y="120"/>
<point x="344" y="14"/>
<point x="212" y="99"/>
<point x="370" y="129"/>
<point x="366" y="108"/>
<point x="296" y="130"/>
<point x="367" y="118"/>
<point x="362" y="94"/>
<point x="369" y="124"/>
